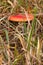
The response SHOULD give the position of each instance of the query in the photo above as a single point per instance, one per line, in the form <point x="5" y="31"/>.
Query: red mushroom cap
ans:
<point x="20" y="17"/>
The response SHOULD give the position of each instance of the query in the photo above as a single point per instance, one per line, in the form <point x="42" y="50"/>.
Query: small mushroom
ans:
<point x="20" y="18"/>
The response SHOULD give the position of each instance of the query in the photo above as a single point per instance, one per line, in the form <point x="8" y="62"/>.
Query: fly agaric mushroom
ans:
<point x="20" y="17"/>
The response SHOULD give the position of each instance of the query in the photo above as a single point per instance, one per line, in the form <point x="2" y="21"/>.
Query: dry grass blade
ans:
<point x="10" y="3"/>
<point x="3" y="18"/>
<point x="23" y="43"/>
<point x="38" y="49"/>
<point x="1" y="57"/>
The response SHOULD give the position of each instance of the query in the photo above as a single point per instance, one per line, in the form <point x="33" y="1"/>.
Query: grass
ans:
<point x="21" y="44"/>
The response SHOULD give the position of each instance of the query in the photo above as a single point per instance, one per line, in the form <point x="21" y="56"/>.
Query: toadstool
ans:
<point x="20" y="17"/>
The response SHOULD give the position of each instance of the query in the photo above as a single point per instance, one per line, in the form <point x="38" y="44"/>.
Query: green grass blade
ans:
<point x="31" y="33"/>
